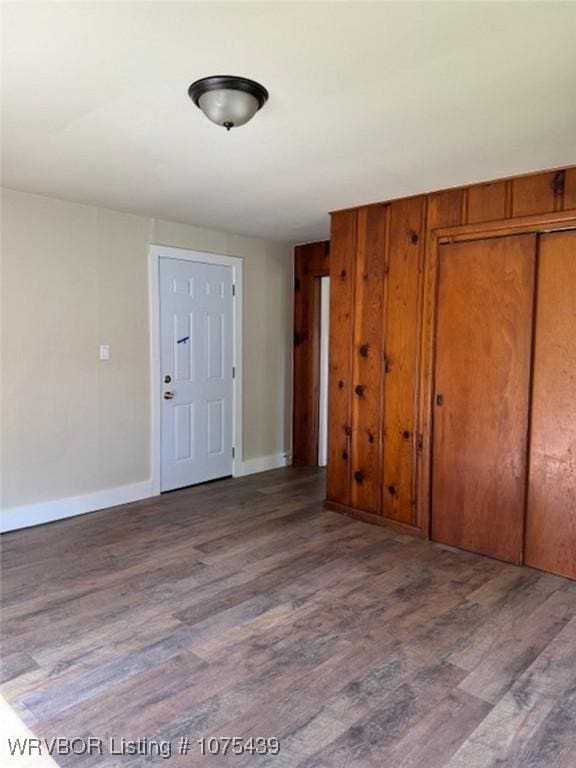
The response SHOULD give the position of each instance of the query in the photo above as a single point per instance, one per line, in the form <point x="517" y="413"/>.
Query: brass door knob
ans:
<point x="168" y="395"/>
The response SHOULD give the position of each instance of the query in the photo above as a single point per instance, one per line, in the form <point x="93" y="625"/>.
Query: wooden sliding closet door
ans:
<point x="551" y="516"/>
<point x="482" y="384"/>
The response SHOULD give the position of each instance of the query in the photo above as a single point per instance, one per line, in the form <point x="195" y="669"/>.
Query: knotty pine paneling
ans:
<point x="570" y="189"/>
<point x="487" y="202"/>
<point x="402" y="330"/>
<point x="536" y="193"/>
<point x="540" y="193"/>
<point x="368" y="358"/>
<point x="446" y="208"/>
<point x="342" y="261"/>
<point x="311" y="261"/>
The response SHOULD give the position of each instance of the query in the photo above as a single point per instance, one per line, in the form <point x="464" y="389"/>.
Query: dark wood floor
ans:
<point x="243" y="608"/>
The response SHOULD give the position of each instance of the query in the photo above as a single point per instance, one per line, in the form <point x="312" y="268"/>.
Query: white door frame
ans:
<point x="156" y="252"/>
<point x="324" y="368"/>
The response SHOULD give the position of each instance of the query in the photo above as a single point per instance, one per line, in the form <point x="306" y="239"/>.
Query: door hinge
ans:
<point x="233" y="371"/>
<point x="233" y="453"/>
<point x="233" y="289"/>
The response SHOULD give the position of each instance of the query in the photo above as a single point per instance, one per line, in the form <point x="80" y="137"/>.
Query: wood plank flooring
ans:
<point x="243" y="608"/>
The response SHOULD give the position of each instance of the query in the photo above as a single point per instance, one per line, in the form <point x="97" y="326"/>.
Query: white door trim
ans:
<point x="324" y="341"/>
<point x="156" y="252"/>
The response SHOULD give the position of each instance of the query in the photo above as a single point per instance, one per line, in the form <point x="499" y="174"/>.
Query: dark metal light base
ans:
<point x="231" y="82"/>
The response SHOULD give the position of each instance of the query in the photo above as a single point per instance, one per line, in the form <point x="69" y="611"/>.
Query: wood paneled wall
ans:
<point x="311" y="262"/>
<point x="380" y="347"/>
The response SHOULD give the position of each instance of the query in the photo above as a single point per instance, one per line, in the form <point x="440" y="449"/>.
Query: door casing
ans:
<point x="167" y="252"/>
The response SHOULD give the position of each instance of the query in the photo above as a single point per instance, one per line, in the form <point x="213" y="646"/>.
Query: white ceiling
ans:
<point x="367" y="102"/>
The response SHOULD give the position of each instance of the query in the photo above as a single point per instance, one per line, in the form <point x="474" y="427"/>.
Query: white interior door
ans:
<point x="324" y="336"/>
<point x="196" y="354"/>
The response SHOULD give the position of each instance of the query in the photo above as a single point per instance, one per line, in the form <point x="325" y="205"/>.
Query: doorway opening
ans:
<point x="311" y="318"/>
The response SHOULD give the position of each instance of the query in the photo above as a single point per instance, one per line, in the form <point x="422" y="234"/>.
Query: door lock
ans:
<point x="168" y="395"/>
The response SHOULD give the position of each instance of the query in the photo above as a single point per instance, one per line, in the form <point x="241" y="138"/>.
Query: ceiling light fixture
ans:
<point x="228" y="100"/>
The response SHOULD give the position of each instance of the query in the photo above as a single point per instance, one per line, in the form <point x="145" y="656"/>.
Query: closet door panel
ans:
<point x="367" y="356"/>
<point x="342" y="267"/>
<point x="482" y="382"/>
<point x="551" y="517"/>
<point x="402" y="325"/>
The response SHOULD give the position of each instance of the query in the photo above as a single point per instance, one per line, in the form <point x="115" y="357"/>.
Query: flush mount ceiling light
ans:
<point x="227" y="100"/>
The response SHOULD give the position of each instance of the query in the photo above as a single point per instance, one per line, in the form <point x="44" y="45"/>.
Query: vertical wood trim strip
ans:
<point x="528" y="442"/>
<point x="417" y="446"/>
<point x="509" y="199"/>
<point x="464" y="207"/>
<point x="384" y="353"/>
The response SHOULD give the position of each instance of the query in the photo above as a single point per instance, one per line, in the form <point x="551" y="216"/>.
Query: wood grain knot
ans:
<point x="340" y="384"/>
<point x="343" y="274"/>
<point x="406" y="434"/>
<point x="359" y="476"/>
<point x="370" y="437"/>
<point x="392" y="490"/>
<point x="345" y="455"/>
<point x="558" y="183"/>
<point x="359" y="389"/>
<point x="363" y="350"/>
<point x="414" y="237"/>
<point x="347" y="430"/>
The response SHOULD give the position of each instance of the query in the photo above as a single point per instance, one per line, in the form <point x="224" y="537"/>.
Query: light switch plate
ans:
<point x="104" y="351"/>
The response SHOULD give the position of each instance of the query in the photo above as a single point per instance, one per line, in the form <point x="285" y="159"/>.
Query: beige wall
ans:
<point x="74" y="276"/>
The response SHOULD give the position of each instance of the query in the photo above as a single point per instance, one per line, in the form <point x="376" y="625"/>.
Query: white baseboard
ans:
<point x="13" y="518"/>
<point x="264" y="463"/>
<point x="27" y="515"/>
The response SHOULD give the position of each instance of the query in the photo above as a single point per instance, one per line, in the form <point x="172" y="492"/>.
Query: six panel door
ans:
<point x="551" y="513"/>
<point x="196" y="351"/>
<point x="482" y="389"/>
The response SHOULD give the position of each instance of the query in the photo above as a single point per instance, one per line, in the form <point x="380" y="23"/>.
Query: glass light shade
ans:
<point x="227" y="107"/>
